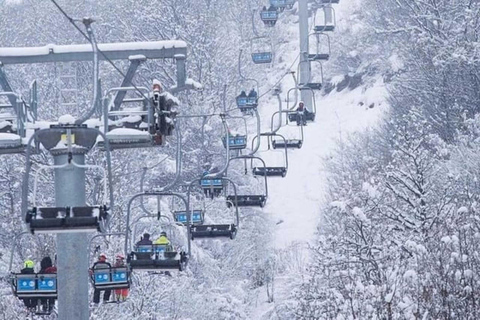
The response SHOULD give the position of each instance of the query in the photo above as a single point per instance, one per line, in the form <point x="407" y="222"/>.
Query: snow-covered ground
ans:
<point x="294" y="201"/>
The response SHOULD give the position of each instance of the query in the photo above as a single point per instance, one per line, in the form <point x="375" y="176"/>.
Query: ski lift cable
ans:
<point x="72" y="21"/>
<point x="280" y="80"/>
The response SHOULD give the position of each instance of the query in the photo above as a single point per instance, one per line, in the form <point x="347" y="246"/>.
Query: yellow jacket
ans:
<point x="162" y="240"/>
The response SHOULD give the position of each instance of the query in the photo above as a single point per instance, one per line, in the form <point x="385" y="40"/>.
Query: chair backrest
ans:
<point x="181" y="217"/>
<point x="120" y="274"/>
<point x="32" y="283"/>
<point x="101" y="276"/>
<point x="26" y="282"/>
<point x="160" y="247"/>
<point x="144" y="248"/>
<point x="82" y="211"/>
<point x="47" y="282"/>
<point x="52" y="213"/>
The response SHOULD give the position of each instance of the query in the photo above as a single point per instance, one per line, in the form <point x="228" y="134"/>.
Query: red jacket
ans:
<point x="51" y="269"/>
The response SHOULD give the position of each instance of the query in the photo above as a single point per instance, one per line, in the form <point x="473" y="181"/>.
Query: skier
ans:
<point x="163" y="239"/>
<point x="301" y="114"/>
<point x="28" y="266"/>
<point x="145" y="240"/>
<point x="101" y="264"/>
<point x="47" y="266"/>
<point x="120" y="294"/>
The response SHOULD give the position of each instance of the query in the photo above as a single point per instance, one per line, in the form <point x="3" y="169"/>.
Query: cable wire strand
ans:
<point x="72" y="21"/>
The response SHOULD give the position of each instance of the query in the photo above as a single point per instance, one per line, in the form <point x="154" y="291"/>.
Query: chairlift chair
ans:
<point x="288" y="143"/>
<point x="197" y="216"/>
<point x="261" y="51"/>
<point x="137" y="127"/>
<point x="66" y="219"/>
<point x="236" y="141"/>
<point x="13" y="121"/>
<point x="293" y="114"/>
<point x="212" y="187"/>
<point x="247" y="103"/>
<point x="39" y="288"/>
<point x="269" y="16"/>
<point x="285" y="143"/>
<point x="279" y="171"/>
<point x="325" y="26"/>
<point x="215" y="230"/>
<point x="322" y="52"/>
<point x="289" y="3"/>
<point x="282" y="4"/>
<point x="156" y="257"/>
<point x="251" y="200"/>
<point x="113" y="277"/>
<point x="316" y="78"/>
<point x="76" y="138"/>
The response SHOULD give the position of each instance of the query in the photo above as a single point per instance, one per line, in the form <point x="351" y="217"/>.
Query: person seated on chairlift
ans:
<point x="163" y="241"/>
<point x="28" y="266"/>
<point x="120" y="294"/>
<point x="242" y="95"/>
<point x="47" y="266"/>
<point x="253" y="93"/>
<point x="101" y="264"/>
<point x="302" y="114"/>
<point x="145" y="240"/>
<point x="272" y="22"/>
<point x="164" y="123"/>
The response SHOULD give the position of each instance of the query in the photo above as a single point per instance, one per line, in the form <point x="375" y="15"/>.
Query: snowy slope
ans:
<point x="294" y="201"/>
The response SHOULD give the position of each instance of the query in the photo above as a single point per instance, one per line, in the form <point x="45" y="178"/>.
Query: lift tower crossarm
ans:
<point x="83" y="52"/>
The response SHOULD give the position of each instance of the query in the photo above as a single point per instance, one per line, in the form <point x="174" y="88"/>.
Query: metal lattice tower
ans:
<point x="67" y="85"/>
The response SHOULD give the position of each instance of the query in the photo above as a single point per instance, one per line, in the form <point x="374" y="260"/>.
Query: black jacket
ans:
<point x="144" y="241"/>
<point x="27" y="271"/>
<point x="45" y="263"/>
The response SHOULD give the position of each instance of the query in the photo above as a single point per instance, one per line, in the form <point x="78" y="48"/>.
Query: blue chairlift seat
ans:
<point x="157" y="258"/>
<point x="262" y="57"/>
<point x="66" y="219"/>
<point x="246" y="104"/>
<point x="212" y="183"/>
<point x="181" y="217"/>
<point x="329" y="1"/>
<point x="111" y="278"/>
<point x="279" y="4"/>
<point x="247" y="201"/>
<point x="237" y="142"/>
<point x="289" y="3"/>
<point x="35" y="286"/>
<point x="270" y="171"/>
<point x="269" y="17"/>
<point x="242" y="101"/>
<point x="290" y="143"/>
<point x="213" y="231"/>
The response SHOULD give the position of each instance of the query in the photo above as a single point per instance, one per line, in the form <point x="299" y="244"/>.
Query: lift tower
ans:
<point x="305" y="95"/>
